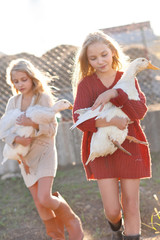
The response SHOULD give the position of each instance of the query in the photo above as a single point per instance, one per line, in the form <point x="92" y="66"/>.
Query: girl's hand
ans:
<point x="120" y="123"/>
<point x="24" y="121"/>
<point x="23" y="141"/>
<point x="104" y="98"/>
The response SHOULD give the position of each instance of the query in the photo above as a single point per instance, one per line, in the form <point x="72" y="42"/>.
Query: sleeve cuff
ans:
<point x="41" y="130"/>
<point x="46" y="129"/>
<point x="121" y="99"/>
<point x="88" y="126"/>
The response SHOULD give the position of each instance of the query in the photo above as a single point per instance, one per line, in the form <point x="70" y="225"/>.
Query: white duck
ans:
<point x="111" y="137"/>
<point x="38" y="114"/>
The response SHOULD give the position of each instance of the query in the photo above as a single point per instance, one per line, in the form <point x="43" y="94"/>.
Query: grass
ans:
<point x="19" y="219"/>
<point x="17" y="208"/>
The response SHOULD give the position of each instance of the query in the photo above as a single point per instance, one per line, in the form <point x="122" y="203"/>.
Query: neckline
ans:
<point x="112" y="85"/>
<point x="31" y="103"/>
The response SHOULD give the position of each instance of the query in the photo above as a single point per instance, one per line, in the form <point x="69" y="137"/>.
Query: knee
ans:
<point x="43" y="199"/>
<point x="112" y="213"/>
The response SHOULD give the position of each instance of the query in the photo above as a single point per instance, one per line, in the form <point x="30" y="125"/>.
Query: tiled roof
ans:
<point x="128" y="27"/>
<point x="132" y="33"/>
<point x="57" y="62"/>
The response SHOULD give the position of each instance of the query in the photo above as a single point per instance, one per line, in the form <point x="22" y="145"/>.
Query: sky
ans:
<point x="36" y="26"/>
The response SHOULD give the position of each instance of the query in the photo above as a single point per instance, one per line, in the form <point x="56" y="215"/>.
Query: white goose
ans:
<point x="111" y="137"/>
<point x="38" y="114"/>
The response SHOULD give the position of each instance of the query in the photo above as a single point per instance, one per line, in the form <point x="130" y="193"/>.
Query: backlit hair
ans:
<point x="82" y="68"/>
<point x="40" y="81"/>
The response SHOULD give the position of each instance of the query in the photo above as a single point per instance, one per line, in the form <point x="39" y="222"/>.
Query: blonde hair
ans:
<point x="40" y="81"/>
<point x="82" y="68"/>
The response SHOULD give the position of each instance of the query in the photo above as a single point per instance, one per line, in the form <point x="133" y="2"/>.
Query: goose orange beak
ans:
<point x="150" y="66"/>
<point x="70" y="107"/>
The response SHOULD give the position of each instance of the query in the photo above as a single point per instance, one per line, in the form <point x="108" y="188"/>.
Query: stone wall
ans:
<point x="151" y="125"/>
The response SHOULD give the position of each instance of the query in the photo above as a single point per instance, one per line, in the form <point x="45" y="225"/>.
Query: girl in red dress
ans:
<point x="98" y="67"/>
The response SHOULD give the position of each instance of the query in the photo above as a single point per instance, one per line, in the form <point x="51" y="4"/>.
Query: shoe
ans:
<point x="54" y="228"/>
<point x="116" y="235"/>
<point x="71" y="221"/>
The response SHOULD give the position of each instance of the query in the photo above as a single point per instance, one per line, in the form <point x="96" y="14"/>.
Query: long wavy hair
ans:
<point x="40" y="80"/>
<point x="82" y="68"/>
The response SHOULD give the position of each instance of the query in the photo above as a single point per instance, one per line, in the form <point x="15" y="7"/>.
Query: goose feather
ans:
<point x="105" y="140"/>
<point x="38" y="114"/>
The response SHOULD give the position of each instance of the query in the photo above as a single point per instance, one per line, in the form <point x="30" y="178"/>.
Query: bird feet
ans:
<point x="19" y="161"/>
<point x="26" y="167"/>
<point x="135" y="140"/>
<point x="116" y="143"/>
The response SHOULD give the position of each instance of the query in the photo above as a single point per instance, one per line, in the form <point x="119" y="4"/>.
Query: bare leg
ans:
<point x="45" y="193"/>
<point x="54" y="227"/>
<point x="45" y="213"/>
<point x="109" y="190"/>
<point x="130" y="204"/>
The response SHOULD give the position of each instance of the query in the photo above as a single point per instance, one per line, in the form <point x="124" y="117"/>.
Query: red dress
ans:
<point x="119" y="164"/>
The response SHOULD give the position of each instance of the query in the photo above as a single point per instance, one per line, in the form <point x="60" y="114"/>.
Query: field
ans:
<point x="19" y="219"/>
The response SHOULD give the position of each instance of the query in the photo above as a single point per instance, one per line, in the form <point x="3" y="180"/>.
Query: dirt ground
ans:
<point x="19" y="219"/>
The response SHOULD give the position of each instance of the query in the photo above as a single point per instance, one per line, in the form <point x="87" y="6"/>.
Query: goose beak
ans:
<point x="150" y="66"/>
<point x="70" y="107"/>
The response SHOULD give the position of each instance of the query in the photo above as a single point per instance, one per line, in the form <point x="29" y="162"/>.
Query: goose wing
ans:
<point x="8" y="120"/>
<point x="84" y="115"/>
<point x="40" y="114"/>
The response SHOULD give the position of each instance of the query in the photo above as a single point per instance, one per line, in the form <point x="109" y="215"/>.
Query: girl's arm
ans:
<point x="104" y="98"/>
<point x="134" y="109"/>
<point x="46" y="129"/>
<point x="40" y="129"/>
<point x="84" y="100"/>
<point x="120" y="123"/>
<point x="22" y="140"/>
<point x="25" y="121"/>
